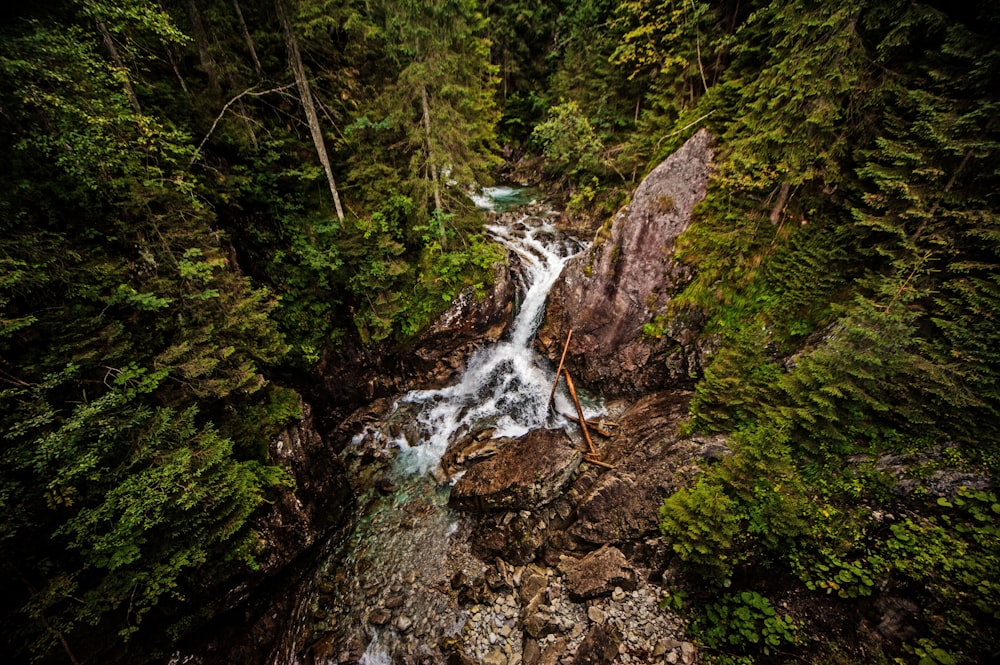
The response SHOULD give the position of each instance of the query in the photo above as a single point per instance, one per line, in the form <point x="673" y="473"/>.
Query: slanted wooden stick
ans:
<point x="555" y="383"/>
<point x="591" y="424"/>
<point x="579" y="411"/>
<point x="593" y="460"/>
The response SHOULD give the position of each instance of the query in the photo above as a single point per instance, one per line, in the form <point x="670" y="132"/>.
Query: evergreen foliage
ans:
<point x="846" y="256"/>
<point x="170" y="240"/>
<point x="166" y="227"/>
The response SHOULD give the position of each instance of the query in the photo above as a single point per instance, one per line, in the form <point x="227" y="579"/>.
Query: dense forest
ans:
<point x="200" y="199"/>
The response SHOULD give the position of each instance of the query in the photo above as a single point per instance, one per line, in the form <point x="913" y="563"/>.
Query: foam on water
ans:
<point x="505" y="386"/>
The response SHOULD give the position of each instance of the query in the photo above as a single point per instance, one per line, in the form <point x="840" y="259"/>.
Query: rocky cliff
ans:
<point x="626" y="280"/>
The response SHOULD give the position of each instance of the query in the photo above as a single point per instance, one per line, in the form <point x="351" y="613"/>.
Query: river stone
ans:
<point x="598" y="573"/>
<point x="599" y="647"/>
<point x="527" y="472"/>
<point x="531" y="653"/>
<point x="625" y="280"/>
<point x="495" y="657"/>
<point x="554" y="652"/>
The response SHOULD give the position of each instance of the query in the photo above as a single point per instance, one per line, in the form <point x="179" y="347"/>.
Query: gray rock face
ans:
<point x="524" y="474"/>
<point x="598" y="573"/>
<point x="626" y="279"/>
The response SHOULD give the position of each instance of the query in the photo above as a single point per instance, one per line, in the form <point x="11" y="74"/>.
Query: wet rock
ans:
<point x="527" y="472"/>
<point x="626" y="279"/>
<point x="404" y="624"/>
<point x="599" y="647"/>
<point x="598" y="573"/>
<point x="379" y="618"/>
<point x="393" y="602"/>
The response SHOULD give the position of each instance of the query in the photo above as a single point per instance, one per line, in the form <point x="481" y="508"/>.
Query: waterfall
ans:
<point x="505" y="386"/>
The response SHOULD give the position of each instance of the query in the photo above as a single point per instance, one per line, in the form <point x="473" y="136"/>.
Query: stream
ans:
<point x="387" y="592"/>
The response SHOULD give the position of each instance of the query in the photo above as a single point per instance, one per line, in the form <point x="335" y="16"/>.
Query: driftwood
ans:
<point x="598" y="427"/>
<point x="579" y="411"/>
<point x="594" y="460"/>
<point x="562" y="358"/>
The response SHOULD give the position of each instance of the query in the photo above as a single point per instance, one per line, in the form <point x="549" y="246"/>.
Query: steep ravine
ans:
<point x="493" y="540"/>
<point x="481" y="533"/>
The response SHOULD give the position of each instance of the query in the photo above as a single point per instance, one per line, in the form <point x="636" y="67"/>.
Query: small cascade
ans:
<point x="505" y="386"/>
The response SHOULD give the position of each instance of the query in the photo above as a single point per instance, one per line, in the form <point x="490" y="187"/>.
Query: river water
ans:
<point x="385" y="593"/>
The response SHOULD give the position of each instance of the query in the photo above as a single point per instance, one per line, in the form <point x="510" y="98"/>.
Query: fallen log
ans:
<point x="579" y="411"/>
<point x="593" y="460"/>
<point x="562" y="359"/>
<point x="596" y="426"/>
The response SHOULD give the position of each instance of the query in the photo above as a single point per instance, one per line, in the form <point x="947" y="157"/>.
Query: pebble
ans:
<point x="618" y="595"/>
<point x="595" y="614"/>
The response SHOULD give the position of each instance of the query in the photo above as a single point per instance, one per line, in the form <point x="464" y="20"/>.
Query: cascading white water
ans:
<point x="505" y="386"/>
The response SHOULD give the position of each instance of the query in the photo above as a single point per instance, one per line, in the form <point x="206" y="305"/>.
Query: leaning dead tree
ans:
<point x="305" y="95"/>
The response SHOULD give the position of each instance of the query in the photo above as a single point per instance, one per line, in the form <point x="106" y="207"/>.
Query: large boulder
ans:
<point x="650" y="463"/>
<point x="625" y="280"/>
<point x="526" y="473"/>
<point x="598" y="573"/>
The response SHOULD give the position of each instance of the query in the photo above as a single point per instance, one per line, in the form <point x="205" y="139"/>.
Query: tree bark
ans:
<point x="116" y="60"/>
<point x="201" y="40"/>
<point x="430" y="152"/>
<point x="783" y="192"/>
<point x="562" y="359"/>
<point x="579" y="411"/>
<point x="248" y="39"/>
<point x="305" y="95"/>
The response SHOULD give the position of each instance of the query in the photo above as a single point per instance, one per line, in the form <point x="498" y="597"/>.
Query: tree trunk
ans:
<point x="779" y="207"/>
<point x="305" y="94"/>
<point x="248" y="39"/>
<point x="201" y="40"/>
<point x="116" y="60"/>
<point x="430" y="153"/>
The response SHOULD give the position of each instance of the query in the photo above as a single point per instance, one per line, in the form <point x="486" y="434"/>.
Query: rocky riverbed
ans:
<point x="517" y="575"/>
